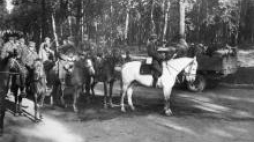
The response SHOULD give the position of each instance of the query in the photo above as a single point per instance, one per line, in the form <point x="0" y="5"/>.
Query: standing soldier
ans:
<point x="45" y="52"/>
<point x="156" y="56"/>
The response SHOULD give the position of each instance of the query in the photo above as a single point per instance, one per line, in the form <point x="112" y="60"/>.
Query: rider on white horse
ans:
<point x="157" y="58"/>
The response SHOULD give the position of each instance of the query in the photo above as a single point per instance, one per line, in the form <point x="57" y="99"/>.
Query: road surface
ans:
<point x="219" y="115"/>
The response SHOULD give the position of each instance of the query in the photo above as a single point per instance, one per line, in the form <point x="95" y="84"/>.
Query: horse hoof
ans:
<point x="123" y="110"/>
<point x="1" y="132"/>
<point x="133" y="108"/>
<point x="41" y="117"/>
<point x="168" y="112"/>
<point x="105" y="106"/>
<point x="75" y="110"/>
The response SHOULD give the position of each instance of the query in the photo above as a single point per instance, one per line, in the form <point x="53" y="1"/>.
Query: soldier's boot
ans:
<point x="155" y="80"/>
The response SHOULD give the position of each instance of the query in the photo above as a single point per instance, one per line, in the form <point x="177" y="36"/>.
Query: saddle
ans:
<point x="146" y="67"/>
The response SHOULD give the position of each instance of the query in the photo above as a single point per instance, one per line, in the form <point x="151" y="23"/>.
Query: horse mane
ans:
<point x="176" y="62"/>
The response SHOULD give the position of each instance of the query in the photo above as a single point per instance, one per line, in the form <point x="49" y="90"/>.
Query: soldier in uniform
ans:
<point x="31" y="56"/>
<point x="45" y="52"/>
<point x="67" y="51"/>
<point x="9" y="49"/>
<point x="156" y="56"/>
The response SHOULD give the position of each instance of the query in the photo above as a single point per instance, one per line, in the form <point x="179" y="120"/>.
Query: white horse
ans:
<point x="131" y="73"/>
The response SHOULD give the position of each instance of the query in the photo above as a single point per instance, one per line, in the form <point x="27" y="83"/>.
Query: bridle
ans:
<point x="184" y="73"/>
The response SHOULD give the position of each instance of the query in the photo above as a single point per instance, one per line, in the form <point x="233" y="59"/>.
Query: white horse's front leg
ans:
<point x="129" y="95"/>
<point x="167" y="93"/>
<point x="124" y="90"/>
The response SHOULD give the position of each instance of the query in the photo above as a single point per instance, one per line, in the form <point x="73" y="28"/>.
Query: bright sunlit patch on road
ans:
<point x="212" y="107"/>
<point x="220" y="132"/>
<point x="52" y="130"/>
<point x="9" y="5"/>
<point x="170" y="124"/>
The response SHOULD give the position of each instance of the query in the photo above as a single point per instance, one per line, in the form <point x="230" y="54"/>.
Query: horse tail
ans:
<point x="121" y="81"/>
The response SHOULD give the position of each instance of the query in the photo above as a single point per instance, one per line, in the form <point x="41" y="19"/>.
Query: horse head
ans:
<point x="191" y="70"/>
<point x="38" y="70"/>
<point x="89" y="65"/>
<point x="116" y="57"/>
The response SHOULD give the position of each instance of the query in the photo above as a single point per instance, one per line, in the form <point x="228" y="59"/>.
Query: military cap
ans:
<point x="31" y="43"/>
<point x="153" y="36"/>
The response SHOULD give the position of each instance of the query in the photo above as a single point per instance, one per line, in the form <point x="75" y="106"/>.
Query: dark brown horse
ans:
<point x="105" y="72"/>
<point x="72" y="74"/>
<point x="5" y="65"/>
<point x="17" y="84"/>
<point x="38" y="87"/>
<point x="35" y="87"/>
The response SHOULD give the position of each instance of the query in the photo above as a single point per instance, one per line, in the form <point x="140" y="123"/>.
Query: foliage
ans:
<point x="103" y="22"/>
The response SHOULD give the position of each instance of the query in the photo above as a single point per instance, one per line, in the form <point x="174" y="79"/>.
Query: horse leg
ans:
<point x="75" y="98"/>
<point x="36" y="106"/>
<point x="20" y="98"/>
<point x="123" y="93"/>
<point x="54" y="95"/>
<point x="111" y="84"/>
<point x="88" y="87"/>
<point x="2" y="110"/>
<point x="41" y="102"/>
<point x="62" y="88"/>
<point x="105" y="94"/>
<point x="15" y="93"/>
<point x="92" y="88"/>
<point x="167" y="92"/>
<point x="129" y="95"/>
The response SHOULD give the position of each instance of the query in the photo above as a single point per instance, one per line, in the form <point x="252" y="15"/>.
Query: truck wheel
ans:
<point x="198" y="85"/>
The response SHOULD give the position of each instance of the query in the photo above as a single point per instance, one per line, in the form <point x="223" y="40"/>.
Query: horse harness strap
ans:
<point x="177" y="69"/>
<point x="9" y="73"/>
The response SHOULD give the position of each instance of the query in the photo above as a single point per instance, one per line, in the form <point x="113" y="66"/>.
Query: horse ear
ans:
<point x="195" y="58"/>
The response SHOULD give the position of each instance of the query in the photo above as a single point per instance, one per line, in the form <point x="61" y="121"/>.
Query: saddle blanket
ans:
<point x="145" y="69"/>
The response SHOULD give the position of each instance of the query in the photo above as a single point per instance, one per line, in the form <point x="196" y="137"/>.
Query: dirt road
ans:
<point x="220" y="115"/>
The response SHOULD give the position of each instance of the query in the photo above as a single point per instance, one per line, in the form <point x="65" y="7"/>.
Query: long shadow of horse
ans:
<point x="182" y="106"/>
<point x="11" y="108"/>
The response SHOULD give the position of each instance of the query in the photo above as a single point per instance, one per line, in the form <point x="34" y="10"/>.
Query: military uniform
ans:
<point x="8" y="49"/>
<point x="67" y="51"/>
<point x="31" y="56"/>
<point x="156" y="56"/>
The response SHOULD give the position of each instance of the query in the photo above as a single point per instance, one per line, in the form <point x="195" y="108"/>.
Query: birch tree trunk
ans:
<point x="55" y="32"/>
<point x="111" y="21"/>
<point x="167" y="5"/>
<point x="182" y="6"/>
<point x="69" y="20"/>
<point x="82" y="21"/>
<point x="127" y="21"/>
<point x="153" y="28"/>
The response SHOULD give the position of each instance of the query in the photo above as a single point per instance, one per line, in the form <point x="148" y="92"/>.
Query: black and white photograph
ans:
<point x="126" y="70"/>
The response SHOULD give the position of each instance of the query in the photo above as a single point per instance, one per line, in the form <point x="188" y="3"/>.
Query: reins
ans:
<point x="177" y="69"/>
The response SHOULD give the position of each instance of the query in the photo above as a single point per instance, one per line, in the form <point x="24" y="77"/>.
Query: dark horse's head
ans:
<point x="90" y="67"/>
<point x="38" y="70"/>
<point x="10" y="61"/>
<point x="115" y="57"/>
